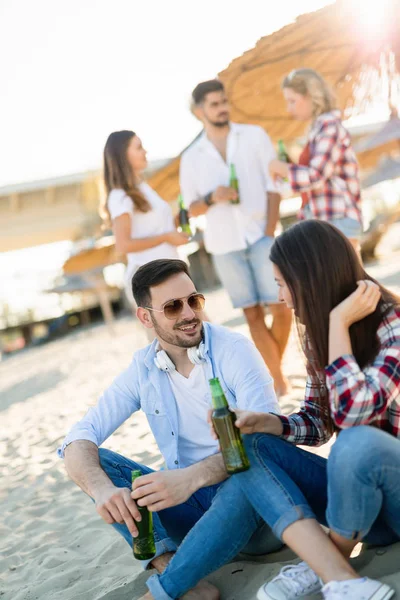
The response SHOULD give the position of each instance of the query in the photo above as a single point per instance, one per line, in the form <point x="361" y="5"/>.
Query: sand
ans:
<point x="53" y="544"/>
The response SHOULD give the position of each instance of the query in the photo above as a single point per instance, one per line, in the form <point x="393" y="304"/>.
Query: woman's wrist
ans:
<point x="272" y="424"/>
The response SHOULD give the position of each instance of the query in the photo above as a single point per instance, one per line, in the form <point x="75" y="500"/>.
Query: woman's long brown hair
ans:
<point x="321" y="268"/>
<point x="118" y="173"/>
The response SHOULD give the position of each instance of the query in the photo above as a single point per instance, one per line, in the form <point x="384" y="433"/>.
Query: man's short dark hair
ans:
<point x="202" y="89"/>
<point x="153" y="273"/>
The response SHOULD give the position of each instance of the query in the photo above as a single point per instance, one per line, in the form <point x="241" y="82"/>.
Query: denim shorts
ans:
<point x="351" y="228"/>
<point x="247" y="275"/>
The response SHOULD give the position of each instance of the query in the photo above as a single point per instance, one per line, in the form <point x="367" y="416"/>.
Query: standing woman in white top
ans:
<point x="142" y="222"/>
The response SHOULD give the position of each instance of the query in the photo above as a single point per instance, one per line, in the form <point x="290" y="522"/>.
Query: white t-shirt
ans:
<point x="156" y="221"/>
<point x="231" y="227"/>
<point x="193" y="399"/>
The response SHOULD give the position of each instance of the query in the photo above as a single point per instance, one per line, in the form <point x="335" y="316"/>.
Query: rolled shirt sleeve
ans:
<point x="117" y="403"/>
<point x="308" y="426"/>
<point x="266" y="153"/>
<point x="187" y="179"/>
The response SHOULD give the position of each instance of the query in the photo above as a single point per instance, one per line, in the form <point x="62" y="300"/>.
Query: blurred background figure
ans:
<point x="224" y="176"/>
<point x="142" y="222"/>
<point x="327" y="175"/>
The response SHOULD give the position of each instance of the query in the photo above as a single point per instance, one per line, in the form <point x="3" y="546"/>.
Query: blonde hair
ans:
<point x="308" y="82"/>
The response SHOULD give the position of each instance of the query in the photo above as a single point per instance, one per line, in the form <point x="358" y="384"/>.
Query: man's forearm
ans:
<point x="209" y="471"/>
<point x="83" y="467"/>
<point x="273" y="203"/>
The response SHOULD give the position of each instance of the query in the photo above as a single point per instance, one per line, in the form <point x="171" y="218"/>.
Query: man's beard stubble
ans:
<point x="170" y="338"/>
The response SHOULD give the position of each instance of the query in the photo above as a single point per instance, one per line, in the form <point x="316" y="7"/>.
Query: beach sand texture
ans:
<point x="53" y="544"/>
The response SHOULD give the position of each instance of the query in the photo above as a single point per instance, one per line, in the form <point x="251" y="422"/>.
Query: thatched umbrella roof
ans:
<point x="331" y="40"/>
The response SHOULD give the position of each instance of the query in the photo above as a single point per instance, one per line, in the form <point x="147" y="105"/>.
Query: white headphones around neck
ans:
<point x="196" y="355"/>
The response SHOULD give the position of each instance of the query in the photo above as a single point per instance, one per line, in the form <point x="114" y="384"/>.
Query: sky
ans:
<point x="74" y="71"/>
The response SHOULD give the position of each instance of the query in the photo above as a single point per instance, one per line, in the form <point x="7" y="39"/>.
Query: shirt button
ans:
<point x="176" y="462"/>
<point x="172" y="433"/>
<point x="157" y="412"/>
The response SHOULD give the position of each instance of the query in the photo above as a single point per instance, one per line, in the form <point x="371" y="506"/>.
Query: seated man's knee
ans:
<point x="266" y="444"/>
<point x="106" y="457"/>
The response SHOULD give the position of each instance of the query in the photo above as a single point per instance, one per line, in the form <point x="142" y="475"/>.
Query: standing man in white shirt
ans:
<point x="238" y="236"/>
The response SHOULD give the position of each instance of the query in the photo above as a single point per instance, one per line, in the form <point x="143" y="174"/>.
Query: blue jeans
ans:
<point x="172" y="524"/>
<point x="286" y="484"/>
<point x="364" y="486"/>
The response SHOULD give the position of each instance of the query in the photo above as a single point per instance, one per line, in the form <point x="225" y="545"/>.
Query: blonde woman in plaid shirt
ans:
<point x="352" y="324"/>
<point x="327" y="175"/>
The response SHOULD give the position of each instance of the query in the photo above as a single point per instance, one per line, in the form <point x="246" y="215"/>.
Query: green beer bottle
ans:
<point x="230" y="440"/>
<point x="233" y="182"/>
<point x="283" y="155"/>
<point x="144" y="546"/>
<point x="282" y="152"/>
<point x="184" y="217"/>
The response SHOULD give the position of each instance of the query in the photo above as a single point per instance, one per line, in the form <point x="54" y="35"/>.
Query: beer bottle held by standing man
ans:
<point x="184" y="217"/>
<point x="230" y="440"/>
<point x="144" y="546"/>
<point x="234" y="183"/>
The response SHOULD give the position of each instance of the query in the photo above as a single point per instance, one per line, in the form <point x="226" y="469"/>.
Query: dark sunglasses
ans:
<point x="173" y="308"/>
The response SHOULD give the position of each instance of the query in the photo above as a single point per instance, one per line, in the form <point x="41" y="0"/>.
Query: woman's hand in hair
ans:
<point x="359" y="304"/>
<point x="176" y="238"/>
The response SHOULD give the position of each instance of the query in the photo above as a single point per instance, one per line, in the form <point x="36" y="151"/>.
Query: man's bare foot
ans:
<point x="202" y="591"/>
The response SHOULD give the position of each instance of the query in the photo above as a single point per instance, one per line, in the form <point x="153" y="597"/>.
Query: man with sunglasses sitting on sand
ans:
<point x="168" y="380"/>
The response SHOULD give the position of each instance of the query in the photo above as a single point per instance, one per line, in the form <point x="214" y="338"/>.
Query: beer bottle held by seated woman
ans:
<point x="144" y="546"/>
<point x="184" y="217"/>
<point x="230" y="440"/>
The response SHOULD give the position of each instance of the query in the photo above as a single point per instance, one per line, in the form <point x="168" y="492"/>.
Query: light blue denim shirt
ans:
<point x="229" y="356"/>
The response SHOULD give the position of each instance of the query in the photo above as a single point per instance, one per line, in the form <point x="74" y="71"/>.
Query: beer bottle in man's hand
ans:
<point x="230" y="440"/>
<point x="144" y="546"/>
<point x="184" y="217"/>
<point x="234" y="183"/>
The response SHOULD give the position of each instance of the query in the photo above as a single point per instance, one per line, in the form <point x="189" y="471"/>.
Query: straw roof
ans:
<point x="101" y="255"/>
<point x="332" y="41"/>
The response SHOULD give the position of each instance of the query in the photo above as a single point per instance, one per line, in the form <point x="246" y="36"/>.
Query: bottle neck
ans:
<point x="219" y="402"/>
<point x="218" y="398"/>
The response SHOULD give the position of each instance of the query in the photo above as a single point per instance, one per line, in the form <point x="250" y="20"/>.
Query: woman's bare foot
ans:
<point x="202" y="591"/>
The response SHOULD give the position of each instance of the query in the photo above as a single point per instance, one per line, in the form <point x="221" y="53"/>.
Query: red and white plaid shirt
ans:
<point x="369" y="396"/>
<point x="331" y="179"/>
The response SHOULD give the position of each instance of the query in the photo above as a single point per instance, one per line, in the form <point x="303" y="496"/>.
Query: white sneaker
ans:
<point x="293" y="581"/>
<point x="357" y="589"/>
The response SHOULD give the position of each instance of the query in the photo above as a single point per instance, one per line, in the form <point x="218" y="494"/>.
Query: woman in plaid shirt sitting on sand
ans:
<point x="327" y="176"/>
<point x="352" y="324"/>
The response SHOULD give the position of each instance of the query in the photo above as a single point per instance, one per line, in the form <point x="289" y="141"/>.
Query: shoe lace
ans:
<point x="296" y="578"/>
